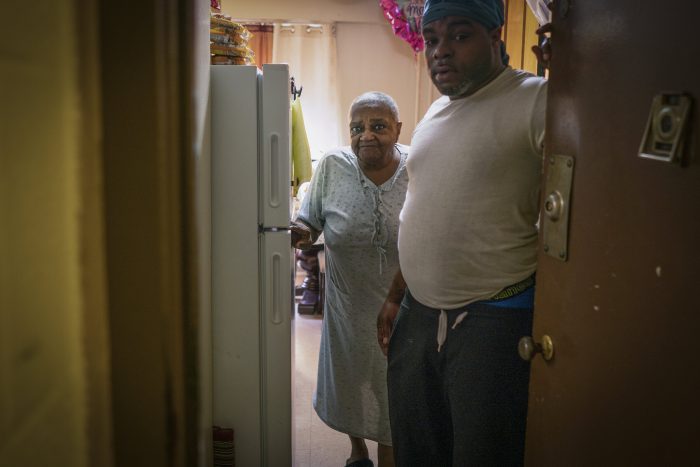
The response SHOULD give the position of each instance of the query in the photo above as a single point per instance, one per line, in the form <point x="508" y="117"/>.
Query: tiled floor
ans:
<point x="315" y="445"/>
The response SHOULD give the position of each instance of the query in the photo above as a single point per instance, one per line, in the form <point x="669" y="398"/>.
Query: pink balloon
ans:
<point x="405" y="19"/>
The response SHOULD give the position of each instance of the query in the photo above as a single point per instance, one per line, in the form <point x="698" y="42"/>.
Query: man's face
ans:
<point x="462" y="55"/>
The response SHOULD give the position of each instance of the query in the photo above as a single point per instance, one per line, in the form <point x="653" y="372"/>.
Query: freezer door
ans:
<point x="275" y="146"/>
<point x="276" y="347"/>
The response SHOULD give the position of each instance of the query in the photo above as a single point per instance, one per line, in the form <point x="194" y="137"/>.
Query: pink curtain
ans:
<point x="261" y="42"/>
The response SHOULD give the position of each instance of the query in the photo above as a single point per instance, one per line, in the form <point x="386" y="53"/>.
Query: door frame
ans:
<point x="146" y="66"/>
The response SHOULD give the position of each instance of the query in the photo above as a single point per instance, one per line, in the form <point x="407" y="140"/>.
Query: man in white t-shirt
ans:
<point x="467" y="249"/>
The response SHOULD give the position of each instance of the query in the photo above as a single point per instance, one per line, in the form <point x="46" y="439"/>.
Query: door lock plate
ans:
<point x="555" y="219"/>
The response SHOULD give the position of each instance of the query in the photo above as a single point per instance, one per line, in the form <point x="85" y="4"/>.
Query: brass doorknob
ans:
<point x="528" y="348"/>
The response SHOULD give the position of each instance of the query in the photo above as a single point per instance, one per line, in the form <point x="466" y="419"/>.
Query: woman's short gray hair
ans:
<point x="375" y="99"/>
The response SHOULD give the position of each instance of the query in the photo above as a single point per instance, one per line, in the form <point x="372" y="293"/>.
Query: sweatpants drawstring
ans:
<point x="442" y="326"/>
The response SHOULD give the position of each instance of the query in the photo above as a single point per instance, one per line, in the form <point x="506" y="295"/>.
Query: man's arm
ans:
<point x="390" y="308"/>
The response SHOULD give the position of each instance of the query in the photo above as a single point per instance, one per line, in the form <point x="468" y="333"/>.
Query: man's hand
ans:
<point x="385" y="324"/>
<point x="390" y="308"/>
<point x="543" y="52"/>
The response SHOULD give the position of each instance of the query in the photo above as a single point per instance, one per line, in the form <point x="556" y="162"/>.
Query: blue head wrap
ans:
<point x="489" y="13"/>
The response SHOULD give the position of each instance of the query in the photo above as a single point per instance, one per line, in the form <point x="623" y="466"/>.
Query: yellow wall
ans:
<point x="43" y="397"/>
<point x="519" y="35"/>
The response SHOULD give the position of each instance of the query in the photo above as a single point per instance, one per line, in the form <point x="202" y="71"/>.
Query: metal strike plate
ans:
<point x="556" y="206"/>
<point x="665" y="131"/>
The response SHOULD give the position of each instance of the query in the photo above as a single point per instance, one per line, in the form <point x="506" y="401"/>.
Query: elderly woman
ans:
<point x="355" y="198"/>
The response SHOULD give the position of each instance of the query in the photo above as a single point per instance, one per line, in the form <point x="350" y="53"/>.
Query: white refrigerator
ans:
<point x="252" y="261"/>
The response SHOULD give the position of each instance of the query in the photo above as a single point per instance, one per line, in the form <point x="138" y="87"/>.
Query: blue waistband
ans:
<point x="525" y="299"/>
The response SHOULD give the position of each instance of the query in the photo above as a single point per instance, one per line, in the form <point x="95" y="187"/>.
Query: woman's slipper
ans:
<point x="361" y="463"/>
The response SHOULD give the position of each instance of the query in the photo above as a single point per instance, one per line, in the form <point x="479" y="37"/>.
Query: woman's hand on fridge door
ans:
<point x="303" y="236"/>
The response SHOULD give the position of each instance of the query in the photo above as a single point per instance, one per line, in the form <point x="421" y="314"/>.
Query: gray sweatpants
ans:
<point x="467" y="404"/>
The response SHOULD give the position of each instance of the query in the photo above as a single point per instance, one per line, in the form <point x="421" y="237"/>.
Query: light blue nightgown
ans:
<point x="359" y="221"/>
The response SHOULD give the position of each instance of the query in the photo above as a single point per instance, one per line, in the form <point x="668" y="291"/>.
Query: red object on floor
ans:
<point x="224" y="453"/>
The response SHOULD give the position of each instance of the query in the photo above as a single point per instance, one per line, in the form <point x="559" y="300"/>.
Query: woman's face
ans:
<point x="373" y="131"/>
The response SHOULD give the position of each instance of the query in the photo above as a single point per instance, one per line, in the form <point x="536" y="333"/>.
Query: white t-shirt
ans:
<point x="468" y="226"/>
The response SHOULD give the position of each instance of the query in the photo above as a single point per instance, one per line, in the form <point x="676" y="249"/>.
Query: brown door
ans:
<point x="623" y="311"/>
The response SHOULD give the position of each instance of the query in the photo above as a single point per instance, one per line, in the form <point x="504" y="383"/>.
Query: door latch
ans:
<point x="556" y="206"/>
<point x="666" y="127"/>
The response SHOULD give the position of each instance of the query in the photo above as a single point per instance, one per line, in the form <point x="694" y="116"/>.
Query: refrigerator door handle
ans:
<point x="274" y="199"/>
<point x="277" y="316"/>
